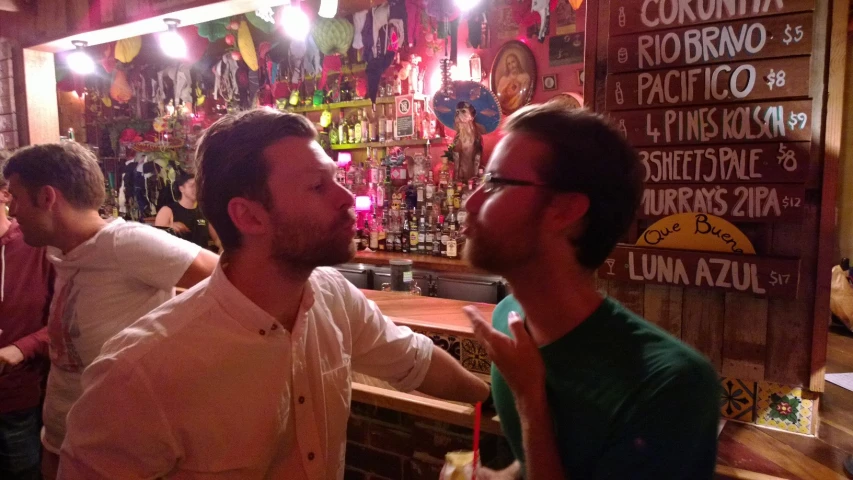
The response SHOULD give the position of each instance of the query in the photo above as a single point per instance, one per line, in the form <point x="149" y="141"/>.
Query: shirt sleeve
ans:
<point x="153" y="256"/>
<point x="117" y="429"/>
<point x="382" y="349"/>
<point x="34" y="344"/>
<point x="671" y="434"/>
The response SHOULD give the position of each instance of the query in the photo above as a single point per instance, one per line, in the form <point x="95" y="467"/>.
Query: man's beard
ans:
<point x="305" y="246"/>
<point x="500" y="254"/>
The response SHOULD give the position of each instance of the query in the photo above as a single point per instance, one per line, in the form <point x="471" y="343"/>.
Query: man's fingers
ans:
<point x="516" y="326"/>
<point x="494" y="341"/>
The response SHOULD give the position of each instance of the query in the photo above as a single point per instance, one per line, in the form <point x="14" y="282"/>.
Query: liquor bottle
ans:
<point x="436" y="239"/>
<point x="342" y="130"/>
<point x="429" y="189"/>
<point x="445" y="236"/>
<point x="373" y="127"/>
<point x="351" y="131"/>
<point x="444" y="174"/>
<point x="425" y="126"/>
<point x="373" y="164"/>
<point x="390" y="121"/>
<point x="462" y="215"/>
<point x="365" y="129"/>
<point x="429" y="238"/>
<point x="359" y="235"/>
<point x="405" y="233"/>
<point x="451" y="195"/>
<point x="451" y="219"/>
<point x="413" y="234"/>
<point x="422" y="234"/>
<point x="358" y="126"/>
<point x="334" y="139"/>
<point x="365" y="237"/>
<point x="382" y="124"/>
<point x="457" y="197"/>
<point x="382" y="236"/>
<point x="420" y="189"/>
<point x="451" y="246"/>
<point x="374" y="234"/>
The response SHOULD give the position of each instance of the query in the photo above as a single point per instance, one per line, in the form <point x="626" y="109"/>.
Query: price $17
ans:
<point x="779" y="279"/>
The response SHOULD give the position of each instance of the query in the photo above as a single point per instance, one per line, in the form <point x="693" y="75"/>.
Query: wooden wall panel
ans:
<point x="703" y="323"/>
<point x="662" y="305"/>
<point x="745" y="337"/>
<point x="628" y="294"/>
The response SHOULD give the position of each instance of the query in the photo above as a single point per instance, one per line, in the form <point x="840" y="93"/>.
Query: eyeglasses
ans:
<point x="491" y="183"/>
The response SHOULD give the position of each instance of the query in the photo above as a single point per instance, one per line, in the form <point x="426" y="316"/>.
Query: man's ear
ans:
<point x="249" y="216"/>
<point x="46" y="197"/>
<point x="567" y="211"/>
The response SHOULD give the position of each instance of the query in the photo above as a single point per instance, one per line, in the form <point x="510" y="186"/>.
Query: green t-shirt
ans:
<point x="628" y="400"/>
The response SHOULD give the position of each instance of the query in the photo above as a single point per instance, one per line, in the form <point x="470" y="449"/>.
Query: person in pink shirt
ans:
<point x="26" y="280"/>
<point x="248" y="374"/>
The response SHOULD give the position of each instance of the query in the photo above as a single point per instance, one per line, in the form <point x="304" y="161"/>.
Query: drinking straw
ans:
<point x="478" y="412"/>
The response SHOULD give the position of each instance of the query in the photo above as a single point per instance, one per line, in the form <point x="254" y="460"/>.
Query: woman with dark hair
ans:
<point x="184" y="219"/>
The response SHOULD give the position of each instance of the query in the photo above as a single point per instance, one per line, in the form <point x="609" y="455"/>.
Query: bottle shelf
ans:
<point x="396" y="143"/>
<point x="425" y="262"/>
<point x="352" y="104"/>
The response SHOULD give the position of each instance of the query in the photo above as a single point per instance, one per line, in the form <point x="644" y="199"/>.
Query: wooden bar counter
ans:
<point x="422" y="314"/>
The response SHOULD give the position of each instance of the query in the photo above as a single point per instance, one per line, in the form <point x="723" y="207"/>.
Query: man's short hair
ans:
<point x="230" y="163"/>
<point x="588" y="156"/>
<point x="68" y="167"/>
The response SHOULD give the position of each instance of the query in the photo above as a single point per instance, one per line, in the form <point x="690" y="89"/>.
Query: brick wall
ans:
<point x="385" y="444"/>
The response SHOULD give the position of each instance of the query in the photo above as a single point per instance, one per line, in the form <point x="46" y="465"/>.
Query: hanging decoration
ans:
<point x="247" y="46"/>
<point x="263" y="19"/>
<point x="333" y="36"/>
<point x="126" y="50"/>
<point x="576" y="4"/>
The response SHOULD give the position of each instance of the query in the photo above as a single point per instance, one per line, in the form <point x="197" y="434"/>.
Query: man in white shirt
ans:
<point x="248" y="374"/>
<point x="108" y="274"/>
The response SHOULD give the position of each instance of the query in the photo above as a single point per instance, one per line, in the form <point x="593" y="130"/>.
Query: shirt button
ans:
<point x="311" y="456"/>
<point x="274" y="326"/>
<point x="301" y="400"/>
<point x="262" y="332"/>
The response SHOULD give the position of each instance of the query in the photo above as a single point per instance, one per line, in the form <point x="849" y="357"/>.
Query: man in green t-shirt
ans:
<point x="585" y="389"/>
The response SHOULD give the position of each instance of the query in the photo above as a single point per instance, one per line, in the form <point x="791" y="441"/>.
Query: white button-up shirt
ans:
<point x="210" y="386"/>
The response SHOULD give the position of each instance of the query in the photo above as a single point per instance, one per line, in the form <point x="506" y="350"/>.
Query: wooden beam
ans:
<point x="828" y="213"/>
<point x="42" y="112"/>
<point x="189" y="16"/>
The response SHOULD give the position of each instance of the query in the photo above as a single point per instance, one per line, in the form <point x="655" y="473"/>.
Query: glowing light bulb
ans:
<point x="294" y="22"/>
<point x="466" y="5"/>
<point x="81" y="63"/>
<point x="171" y="41"/>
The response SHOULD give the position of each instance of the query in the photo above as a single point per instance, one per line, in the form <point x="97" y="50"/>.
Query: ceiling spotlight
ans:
<point x="328" y="8"/>
<point x="79" y="61"/>
<point x="466" y="5"/>
<point x="294" y="22"/>
<point x="171" y="41"/>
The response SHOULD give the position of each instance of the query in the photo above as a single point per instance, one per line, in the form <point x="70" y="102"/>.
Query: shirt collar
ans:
<point x="248" y="314"/>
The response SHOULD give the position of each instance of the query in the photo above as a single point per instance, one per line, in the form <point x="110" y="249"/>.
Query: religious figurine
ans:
<point x="468" y="143"/>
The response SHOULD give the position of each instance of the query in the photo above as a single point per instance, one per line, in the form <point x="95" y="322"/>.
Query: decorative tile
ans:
<point x="448" y="343"/>
<point x="785" y="408"/>
<point x="474" y="357"/>
<point x="737" y="401"/>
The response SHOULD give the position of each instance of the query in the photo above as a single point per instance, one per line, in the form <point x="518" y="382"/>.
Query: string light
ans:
<point x="466" y="5"/>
